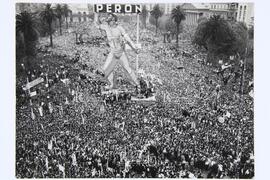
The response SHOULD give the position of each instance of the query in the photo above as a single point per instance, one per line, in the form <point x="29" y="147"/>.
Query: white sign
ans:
<point x="33" y="83"/>
<point x="117" y="8"/>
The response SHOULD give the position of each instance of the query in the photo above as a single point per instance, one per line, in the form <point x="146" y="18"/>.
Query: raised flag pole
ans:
<point x="137" y="41"/>
<point x="31" y="104"/>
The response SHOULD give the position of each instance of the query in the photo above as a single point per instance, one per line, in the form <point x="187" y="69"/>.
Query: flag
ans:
<point x="168" y="97"/>
<point x="65" y="81"/>
<point x="42" y="127"/>
<point x="93" y="172"/>
<point x="140" y="154"/>
<point x="228" y="114"/>
<point x="47" y="79"/>
<point x="164" y="97"/>
<point x="76" y="96"/>
<point x="76" y="93"/>
<point x="127" y="162"/>
<point x="158" y="65"/>
<point x="50" y="145"/>
<point x="100" y="124"/>
<point x="34" y="93"/>
<point x="82" y="119"/>
<point x="122" y="126"/>
<point x="116" y="125"/>
<point x="54" y="139"/>
<point x="145" y="120"/>
<point x="250" y="83"/>
<point x="161" y="122"/>
<point x="116" y="95"/>
<point x="220" y="167"/>
<point x="33" y="116"/>
<point x="40" y="109"/>
<point x="61" y="111"/>
<point x="66" y="101"/>
<point x="251" y="93"/>
<point x="225" y="67"/>
<point x="47" y="164"/>
<point x="102" y="109"/>
<point x="159" y="81"/>
<point x="191" y="176"/>
<point x="62" y="169"/>
<point x="74" y="160"/>
<point x="193" y="125"/>
<point x="50" y="107"/>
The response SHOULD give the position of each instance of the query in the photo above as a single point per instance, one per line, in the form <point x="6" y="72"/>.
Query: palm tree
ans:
<point x="144" y="15"/>
<point x="26" y="31"/>
<point x="66" y="12"/>
<point x="178" y="15"/>
<point x="48" y="16"/>
<point x="59" y="14"/>
<point x="156" y="13"/>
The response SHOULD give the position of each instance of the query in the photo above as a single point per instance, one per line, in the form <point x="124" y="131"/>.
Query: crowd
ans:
<point x="198" y="126"/>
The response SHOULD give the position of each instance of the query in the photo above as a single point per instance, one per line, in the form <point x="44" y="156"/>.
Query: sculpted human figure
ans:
<point x="116" y="38"/>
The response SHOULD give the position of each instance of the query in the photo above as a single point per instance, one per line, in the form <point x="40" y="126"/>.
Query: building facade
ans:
<point x="192" y="10"/>
<point x="245" y="13"/>
<point x="79" y="12"/>
<point x="228" y="11"/>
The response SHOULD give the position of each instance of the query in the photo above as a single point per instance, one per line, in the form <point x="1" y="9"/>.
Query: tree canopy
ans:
<point x="48" y="15"/>
<point x="156" y="13"/>
<point x="178" y="15"/>
<point x="221" y="37"/>
<point x="26" y="31"/>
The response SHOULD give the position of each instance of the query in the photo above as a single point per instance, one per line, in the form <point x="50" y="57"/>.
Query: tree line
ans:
<point x="166" y="23"/>
<point x="29" y="26"/>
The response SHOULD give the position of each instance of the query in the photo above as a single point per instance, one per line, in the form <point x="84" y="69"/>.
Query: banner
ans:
<point x="33" y="83"/>
<point x="117" y="8"/>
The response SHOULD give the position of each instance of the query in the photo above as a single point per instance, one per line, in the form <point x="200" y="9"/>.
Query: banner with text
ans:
<point x="117" y="8"/>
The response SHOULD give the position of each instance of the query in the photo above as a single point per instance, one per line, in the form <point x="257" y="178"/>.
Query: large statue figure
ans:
<point x="116" y="38"/>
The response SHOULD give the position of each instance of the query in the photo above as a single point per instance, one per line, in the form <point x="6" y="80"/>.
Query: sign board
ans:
<point x="149" y="99"/>
<point x="33" y="83"/>
<point x="34" y="93"/>
<point x="117" y="8"/>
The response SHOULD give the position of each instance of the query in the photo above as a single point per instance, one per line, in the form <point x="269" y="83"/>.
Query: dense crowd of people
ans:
<point x="198" y="127"/>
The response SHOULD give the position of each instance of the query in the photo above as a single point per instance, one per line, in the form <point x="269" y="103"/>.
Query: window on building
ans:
<point x="79" y="16"/>
<point x="244" y="13"/>
<point x="84" y="16"/>
<point x="240" y="13"/>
